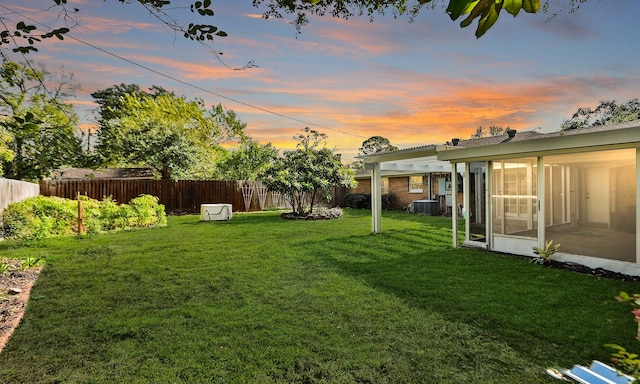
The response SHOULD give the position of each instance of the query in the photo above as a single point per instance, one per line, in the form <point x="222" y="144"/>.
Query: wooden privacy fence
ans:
<point x="183" y="195"/>
<point x="12" y="191"/>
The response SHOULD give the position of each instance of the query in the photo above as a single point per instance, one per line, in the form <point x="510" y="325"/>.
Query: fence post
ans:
<point x="80" y="216"/>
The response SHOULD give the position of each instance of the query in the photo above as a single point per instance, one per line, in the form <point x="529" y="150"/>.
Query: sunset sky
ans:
<point x="414" y="83"/>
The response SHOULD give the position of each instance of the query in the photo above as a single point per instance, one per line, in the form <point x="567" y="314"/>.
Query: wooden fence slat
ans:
<point x="12" y="191"/>
<point x="183" y="195"/>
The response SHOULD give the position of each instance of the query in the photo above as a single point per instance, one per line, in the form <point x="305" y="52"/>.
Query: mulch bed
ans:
<point x="578" y="268"/>
<point x="15" y="286"/>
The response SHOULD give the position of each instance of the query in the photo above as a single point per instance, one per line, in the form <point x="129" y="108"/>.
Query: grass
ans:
<point x="262" y="300"/>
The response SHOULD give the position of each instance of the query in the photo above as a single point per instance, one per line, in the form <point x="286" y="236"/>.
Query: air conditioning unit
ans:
<point x="215" y="212"/>
<point x="427" y="207"/>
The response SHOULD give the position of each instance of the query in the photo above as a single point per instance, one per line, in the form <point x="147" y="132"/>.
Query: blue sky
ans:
<point x="415" y="83"/>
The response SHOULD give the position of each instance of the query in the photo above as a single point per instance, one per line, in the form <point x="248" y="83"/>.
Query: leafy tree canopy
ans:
<point x="37" y="128"/>
<point x="494" y="130"/>
<point x="25" y="36"/>
<point x="376" y="144"/>
<point x="176" y="137"/>
<point x="371" y="146"/>
<point x="607" y="112"/>
<point x="246" y="162"/>
<point x="306" y="174"/>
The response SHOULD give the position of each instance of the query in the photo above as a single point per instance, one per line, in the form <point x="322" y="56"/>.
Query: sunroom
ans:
<point x="577" y="188"/>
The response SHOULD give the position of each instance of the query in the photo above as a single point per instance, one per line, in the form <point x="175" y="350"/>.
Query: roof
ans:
<point x="437" y="158"/>
<point x="104" y="173"/>
<point x="500" y="139"/>
<point x="400" y="152"/>
<point x="531" y="143"/>
<point x="366" y="173"/>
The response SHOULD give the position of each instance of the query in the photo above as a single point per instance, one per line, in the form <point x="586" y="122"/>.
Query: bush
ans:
<point x="363" y="201"/>
<point x="40" y="217"/>
<point x="146" y="212"/>
<point x="358" y="200"/>
<point x="387" y="201"/>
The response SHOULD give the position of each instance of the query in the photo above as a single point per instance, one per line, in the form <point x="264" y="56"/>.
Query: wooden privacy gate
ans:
<point x="183" y="195"/>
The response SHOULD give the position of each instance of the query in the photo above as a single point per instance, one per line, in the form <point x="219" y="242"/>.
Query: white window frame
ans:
<point x="384" y="185"/>
<point x="412" y="184"/>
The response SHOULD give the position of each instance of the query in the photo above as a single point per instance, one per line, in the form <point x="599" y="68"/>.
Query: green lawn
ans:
<point x="259" y="299"/>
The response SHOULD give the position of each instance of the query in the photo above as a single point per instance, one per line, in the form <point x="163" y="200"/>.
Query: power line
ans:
<point x="187" y="83"/>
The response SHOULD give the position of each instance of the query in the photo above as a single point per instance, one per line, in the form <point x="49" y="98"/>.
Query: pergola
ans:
<point x="418" y="160"/>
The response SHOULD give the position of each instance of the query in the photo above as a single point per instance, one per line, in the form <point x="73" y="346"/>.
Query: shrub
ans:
<point x="363" y="201"/>
<point x="387" y="201"/>
<point x="112" y="216"/>
<point x="40" y="217"/>
<point x="332" y="213"/>
<point x="146" y="212"/>
<point x="358" y="200"/>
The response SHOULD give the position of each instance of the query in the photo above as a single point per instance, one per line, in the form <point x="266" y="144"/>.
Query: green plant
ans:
<point x="30" y="262"/>
<point x="624" y="361"/>
<point x="358" y="200"/>
<point x="363" y="201"/>
<point x="41" y="217"/>
<point x="634" y="300"/>
<point x="146" y="212"/>
<point x="545" y="254"/>
<point x="4" y="267"/>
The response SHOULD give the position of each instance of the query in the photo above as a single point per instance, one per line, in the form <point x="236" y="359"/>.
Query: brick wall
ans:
<point x="399" y="188"/>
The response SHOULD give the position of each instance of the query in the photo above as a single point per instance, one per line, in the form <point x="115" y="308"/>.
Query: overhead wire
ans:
<point x="173" y="78"/>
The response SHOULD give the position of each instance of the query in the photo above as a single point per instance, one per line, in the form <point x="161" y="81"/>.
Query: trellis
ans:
<point x="262" y="192"/>
<point x="247" y="187"/>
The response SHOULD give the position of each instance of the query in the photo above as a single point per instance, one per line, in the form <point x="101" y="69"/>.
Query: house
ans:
<point x="586" y="198"/>
<point x="409" y="180"/>
<point x="104" y="173"/>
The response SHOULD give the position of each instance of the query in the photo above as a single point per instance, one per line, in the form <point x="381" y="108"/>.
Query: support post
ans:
<point x="80" y="216"/>
<point x="466" y="200"/>
<point x="454" y="203"/>
<point x="637" y="205"/>
<point x="541" y="203"/>
<point x="376" y="197"/>
<point x="488" y="190"/>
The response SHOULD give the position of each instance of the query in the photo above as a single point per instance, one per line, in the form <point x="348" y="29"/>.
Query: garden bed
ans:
<point x="15" y="286"/>
<point x="323" y="214"/>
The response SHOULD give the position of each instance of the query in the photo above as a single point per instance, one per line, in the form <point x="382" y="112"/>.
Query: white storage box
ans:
<point x="215" y="212"/>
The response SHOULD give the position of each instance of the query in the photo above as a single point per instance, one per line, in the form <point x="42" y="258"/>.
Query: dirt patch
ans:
<point x="15" y="287"/>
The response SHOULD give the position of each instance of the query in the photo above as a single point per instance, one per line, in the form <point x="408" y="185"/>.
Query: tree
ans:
<point x="6" y="154"/>
<point x="307" y="173"/>
<point x="175" y="137"/>
<point x="38" y="130"/>
<point x="371" y="146"/>
<point x="247" y="162"/>
<point x="494" y="130"/>
<point x="376" y="144"/>
<point x="110" y="101"/>
<point x="608" y="112"/>
<point x="25" y="36"/>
